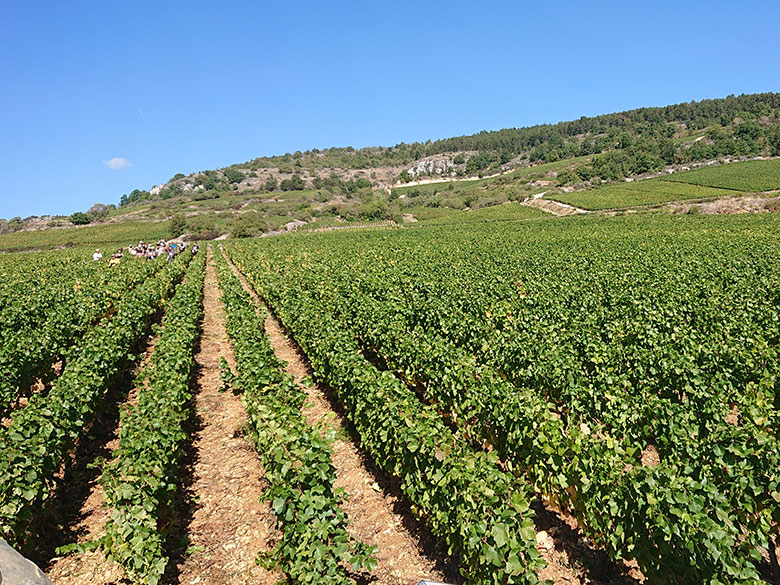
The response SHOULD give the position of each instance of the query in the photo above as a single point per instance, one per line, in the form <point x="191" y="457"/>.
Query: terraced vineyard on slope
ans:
<point x="739" y="178"/>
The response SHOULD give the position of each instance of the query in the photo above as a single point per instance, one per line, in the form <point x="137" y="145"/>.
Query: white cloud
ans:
<point x="117" y="163"/>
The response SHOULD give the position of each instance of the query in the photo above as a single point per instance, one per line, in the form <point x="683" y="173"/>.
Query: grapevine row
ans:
<point x="41" y="281"/>
<point x="141" y="482"/>
<point x="719" y="473"/>
<point x="296" y="457"/>
<point x="575" y="353"/>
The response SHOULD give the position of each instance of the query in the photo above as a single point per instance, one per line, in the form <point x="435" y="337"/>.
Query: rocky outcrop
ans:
<point x="431" y="167"/>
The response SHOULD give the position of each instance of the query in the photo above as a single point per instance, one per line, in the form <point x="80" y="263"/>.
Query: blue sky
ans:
<point x="99" y="98"/>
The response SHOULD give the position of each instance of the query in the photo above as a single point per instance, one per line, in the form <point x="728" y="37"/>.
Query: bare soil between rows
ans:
<point x="228" y="524"/>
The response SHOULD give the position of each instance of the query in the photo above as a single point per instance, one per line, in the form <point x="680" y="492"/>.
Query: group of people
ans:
<point x="148" y="251"/>
<point x="151" y="251"/>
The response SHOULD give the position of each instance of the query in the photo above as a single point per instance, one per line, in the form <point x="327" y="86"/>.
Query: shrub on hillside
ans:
<point x="177" y="225"/>
<point x="370" y="211"/>
<point x="12" y="225"/>
<point x="233" y="175"/>
<point x="98" y="211"/>
<point x="79" y="218"/>
<point x="203" y="227"/>
<point x="248" y="225"/>
<point x="294" y="183"/>
<point x="207" y="235"/>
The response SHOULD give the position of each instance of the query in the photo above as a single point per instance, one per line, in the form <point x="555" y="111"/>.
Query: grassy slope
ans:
<point x="423" y="201"/>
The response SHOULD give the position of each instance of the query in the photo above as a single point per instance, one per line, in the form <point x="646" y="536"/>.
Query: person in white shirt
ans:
<point x="96" y="255"/>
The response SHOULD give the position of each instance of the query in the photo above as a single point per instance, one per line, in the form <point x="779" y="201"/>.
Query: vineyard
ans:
<point x="648" y="192"/>
<point x="496" y="400"/>
<point x="752" y="176"/>
<point x="505" y="212"/>
<point x="627" y="378"/>
<point x="99" y="235"/>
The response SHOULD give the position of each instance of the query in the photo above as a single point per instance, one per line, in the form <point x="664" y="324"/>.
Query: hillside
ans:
<point x="422" y="180"/>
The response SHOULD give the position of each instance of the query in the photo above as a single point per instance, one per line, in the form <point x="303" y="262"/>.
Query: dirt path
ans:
<point x="554" y="207"/>
<point x="93" y="568"/>
<point x="376" y="517"/>
<point x="228" y="526"/>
